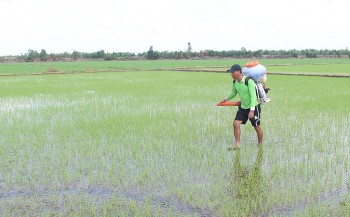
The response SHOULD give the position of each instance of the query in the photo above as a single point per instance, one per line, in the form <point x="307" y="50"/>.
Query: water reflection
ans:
<point x="248" y="182"/>
<point x="247" y="185"/>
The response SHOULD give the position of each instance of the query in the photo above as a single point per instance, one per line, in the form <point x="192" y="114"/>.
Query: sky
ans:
<point x="168" y="25"/>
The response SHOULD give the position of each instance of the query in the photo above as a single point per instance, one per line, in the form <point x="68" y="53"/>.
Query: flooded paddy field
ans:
<point x="154" y="143"/>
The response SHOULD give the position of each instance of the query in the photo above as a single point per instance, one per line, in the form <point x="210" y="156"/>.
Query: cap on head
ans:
<point x="234" y="68"/>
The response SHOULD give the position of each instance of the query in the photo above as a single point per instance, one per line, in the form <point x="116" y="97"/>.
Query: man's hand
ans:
<point x="251" y="114"/>
<point x="222" y="101"/>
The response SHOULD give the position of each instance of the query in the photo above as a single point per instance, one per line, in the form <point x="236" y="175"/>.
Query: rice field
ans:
<point x="341" y="66"/>
<point x="153" y="143"/>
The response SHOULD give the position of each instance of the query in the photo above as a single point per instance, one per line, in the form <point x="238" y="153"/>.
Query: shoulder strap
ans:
<point x="247" y="79"/>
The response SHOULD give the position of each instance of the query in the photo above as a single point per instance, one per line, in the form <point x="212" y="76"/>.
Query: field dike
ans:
<point x="156" y="199"/>
<point x="213" y="69"/>
<point x="272" y="73"/>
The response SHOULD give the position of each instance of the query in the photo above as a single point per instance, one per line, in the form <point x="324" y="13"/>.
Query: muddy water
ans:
<point x="105" y="193"/>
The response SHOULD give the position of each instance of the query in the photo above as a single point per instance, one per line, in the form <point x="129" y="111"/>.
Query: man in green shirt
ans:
<point x="249" y="109"/>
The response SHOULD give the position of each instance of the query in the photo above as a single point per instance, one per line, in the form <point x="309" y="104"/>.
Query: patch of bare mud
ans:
<point x="156" y="199"/>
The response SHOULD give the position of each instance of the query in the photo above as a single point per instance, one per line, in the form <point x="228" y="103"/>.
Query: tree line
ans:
<point x="33" y="55"/>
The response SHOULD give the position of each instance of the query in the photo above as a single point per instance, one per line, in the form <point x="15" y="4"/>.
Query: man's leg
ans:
<point x="260" y="134"/>
<point x="237" y="132"/>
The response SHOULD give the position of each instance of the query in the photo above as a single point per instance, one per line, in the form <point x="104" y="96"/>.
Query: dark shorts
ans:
<point x="242" y="115"/>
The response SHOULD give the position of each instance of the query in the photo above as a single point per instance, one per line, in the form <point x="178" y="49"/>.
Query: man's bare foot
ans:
<point x="234" y="147"/>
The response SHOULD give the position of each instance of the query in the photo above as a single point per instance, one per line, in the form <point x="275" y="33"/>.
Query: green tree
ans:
<point x="257" y="53"/>
<point x="189" y="50"/>
<point x="294" y="53"/>
<point x="31" y="55"/>
<point x="101" y="54"/>
<point x="43" y="55"/>
<point x="76" y="55"/>
<point x="310" y="53"/>
<point x="151" y="54"/>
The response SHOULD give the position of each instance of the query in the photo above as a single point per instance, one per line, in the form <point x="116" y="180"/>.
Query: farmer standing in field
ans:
<point x="249" y="108"/>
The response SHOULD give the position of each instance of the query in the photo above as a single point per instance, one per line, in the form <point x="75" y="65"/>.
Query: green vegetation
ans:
<point x="33" y="55"/>
<point x="273" y="65"/>
<point x="142" y="143"/>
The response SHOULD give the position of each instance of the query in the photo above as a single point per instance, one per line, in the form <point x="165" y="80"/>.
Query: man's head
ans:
<point x="234" y="68"/>
<point x="235" y="71"/>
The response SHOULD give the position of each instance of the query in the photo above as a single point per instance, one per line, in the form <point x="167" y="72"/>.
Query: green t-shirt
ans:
<point x="246" y="93"/>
